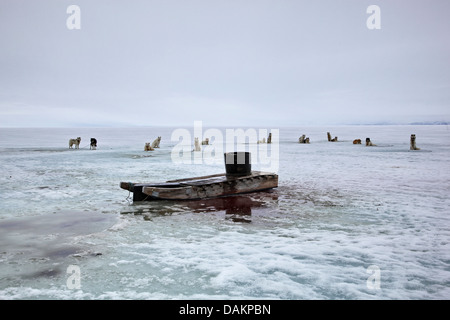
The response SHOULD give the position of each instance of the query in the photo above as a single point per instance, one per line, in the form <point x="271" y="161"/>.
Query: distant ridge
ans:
<point x="434" y="123"/>
<point x="418" y="123"/>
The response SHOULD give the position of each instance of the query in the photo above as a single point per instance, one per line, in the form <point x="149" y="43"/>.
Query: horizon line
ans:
<point x="438" y="122"/>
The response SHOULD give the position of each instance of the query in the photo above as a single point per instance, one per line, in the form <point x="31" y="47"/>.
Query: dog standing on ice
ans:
<point x="75" y="142"/>
<point x="93" y="144"/>
<point x="197" y="146"/>
<point x="269" y="138"/>
<point x="155" y="144"/>
<point x="413" y="143"/>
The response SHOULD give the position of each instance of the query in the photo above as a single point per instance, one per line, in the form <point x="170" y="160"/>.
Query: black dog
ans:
<point x="93" y="144"/>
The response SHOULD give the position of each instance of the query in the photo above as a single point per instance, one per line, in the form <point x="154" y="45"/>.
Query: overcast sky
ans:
<point x="225" y="62"/>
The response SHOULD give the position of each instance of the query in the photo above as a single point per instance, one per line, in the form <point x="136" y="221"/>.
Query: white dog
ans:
<point x="155" y="144"/>
<point x="197" y="145"/>
<point x="262" y="141"/>
<point x="75" y="142"/>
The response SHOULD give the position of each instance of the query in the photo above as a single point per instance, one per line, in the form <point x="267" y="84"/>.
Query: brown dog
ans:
<point x="75" y="142"/>
<point x="148" y="147"/>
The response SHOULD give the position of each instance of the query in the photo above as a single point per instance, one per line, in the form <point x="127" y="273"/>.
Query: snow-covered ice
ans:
<point x="339" y="209"/>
